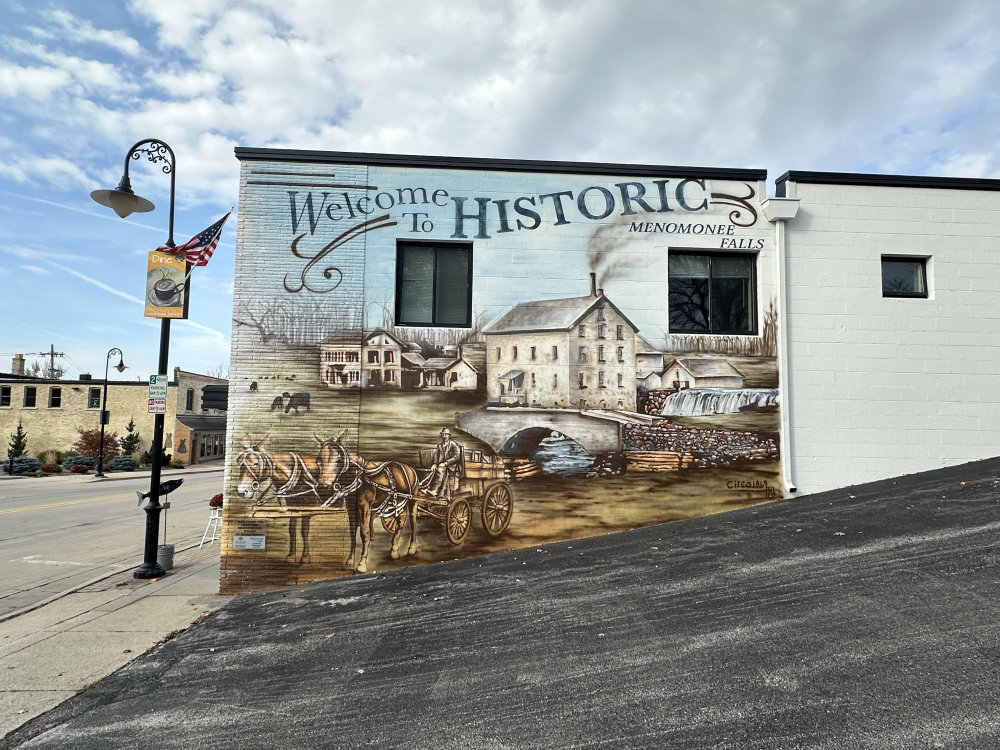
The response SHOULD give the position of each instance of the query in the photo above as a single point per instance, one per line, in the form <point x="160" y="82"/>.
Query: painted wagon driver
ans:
<point x="447" y="457"/>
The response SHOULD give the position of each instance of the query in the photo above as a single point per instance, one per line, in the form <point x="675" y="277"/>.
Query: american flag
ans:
<point x="198" y="250"/>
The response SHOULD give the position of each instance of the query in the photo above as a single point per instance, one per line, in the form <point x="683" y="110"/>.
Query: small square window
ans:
<point x="904" y="277"/>
<point x="434" y="284"/>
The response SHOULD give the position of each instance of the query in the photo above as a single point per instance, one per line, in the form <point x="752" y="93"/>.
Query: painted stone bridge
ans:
<point x="518" y="431"/>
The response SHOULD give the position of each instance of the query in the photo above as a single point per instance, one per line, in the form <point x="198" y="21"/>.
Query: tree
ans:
<point x="89" y="444"/>
<point x="18" y="445"/>
<point x="130" y="443"/>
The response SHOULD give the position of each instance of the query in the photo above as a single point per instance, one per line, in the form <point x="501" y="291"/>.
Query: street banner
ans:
<point x="167" y="286"/>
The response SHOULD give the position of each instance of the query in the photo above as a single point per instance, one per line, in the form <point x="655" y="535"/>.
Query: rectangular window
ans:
<point x="55" y="397"/>
<point x="620" y="332"/>
<point x="93" y="398"/>
<point x="600" y="330"/>
<point x="583" y="354"/>
<point x="712" y="293"/>
<point x="583" y="380"/>
<point x="533" y="352"/>
<point x="582" y="330"/>
<point x="434" y="284"/>
<point x="4" y="395"/>
<point x="30" y="393"/>
<point x="555" y="352"/>
<point x="498" y="353"/>
<point x="621" y="353"/>
<point x="904" y="277"/>
<point x="513" y="352"/>
<point x="600" y="379"/>
<point x="600" y="354"/>
<point x="189" y="400"/>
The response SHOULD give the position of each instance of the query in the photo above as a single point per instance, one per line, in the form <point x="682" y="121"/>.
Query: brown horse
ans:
<point x="385" y="489"/>
<point x="296" y="480"/>
<point x="367" y="489"/>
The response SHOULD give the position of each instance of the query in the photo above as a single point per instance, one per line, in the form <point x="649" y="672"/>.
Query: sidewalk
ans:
<point x="56" y="650"/>
<point x="52" y="650"/>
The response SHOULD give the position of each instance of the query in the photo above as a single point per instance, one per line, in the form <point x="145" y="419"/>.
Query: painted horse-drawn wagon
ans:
<point x="479" y="484"/>
<point x="289" y="484"/>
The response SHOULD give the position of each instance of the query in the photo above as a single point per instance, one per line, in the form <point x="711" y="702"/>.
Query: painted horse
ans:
<point x="296" y="480"/>
<point x="366" y="489"/>
<point x="386" y="490"/>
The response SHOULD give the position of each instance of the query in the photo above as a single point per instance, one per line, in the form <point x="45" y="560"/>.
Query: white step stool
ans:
<point x="214" y="529"/>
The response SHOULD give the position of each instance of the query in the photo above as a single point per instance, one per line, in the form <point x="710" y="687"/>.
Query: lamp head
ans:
<point x="122" y="200"/>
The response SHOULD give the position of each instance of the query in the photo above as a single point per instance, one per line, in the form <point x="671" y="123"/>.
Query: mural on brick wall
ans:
<point x="617" y="367"/>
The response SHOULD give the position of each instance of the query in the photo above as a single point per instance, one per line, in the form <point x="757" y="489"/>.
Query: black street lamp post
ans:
<point x="104" y="405"/>
<point x="125" y="202"/>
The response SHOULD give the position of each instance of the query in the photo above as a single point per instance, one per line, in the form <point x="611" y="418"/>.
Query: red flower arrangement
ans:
<point x="216" y="501"/>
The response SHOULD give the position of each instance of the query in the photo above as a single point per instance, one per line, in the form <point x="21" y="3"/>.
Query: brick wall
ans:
<point x="316" y="260"/>
<point x="883" y="386"/>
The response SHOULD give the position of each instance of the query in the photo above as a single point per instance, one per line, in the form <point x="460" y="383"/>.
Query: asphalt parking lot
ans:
<point x="860" y="618"/>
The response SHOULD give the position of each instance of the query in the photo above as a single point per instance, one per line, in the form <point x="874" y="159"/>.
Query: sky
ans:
<point x="873" y="86"/>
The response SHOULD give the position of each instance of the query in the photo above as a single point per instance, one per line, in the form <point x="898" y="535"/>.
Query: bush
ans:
<point x="23" y="465"/>
<point x="51" y="468"/>
<point x="122" y="463"/>
<point x="79" y="468"/>
<point x="70" y="461"/>
<point x="176" y="465"/>
<point x="146" y="458"/>
<point x="89" y="443"/>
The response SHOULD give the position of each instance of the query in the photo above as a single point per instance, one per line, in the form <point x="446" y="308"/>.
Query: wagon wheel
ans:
<point x="391" y="523"/>
<point x="458" y="520"/>
<point x="497" y="508"/>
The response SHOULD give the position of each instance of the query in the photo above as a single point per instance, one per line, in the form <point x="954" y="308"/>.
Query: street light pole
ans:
<point x="124" y="202"/>
<point x="104" y="405"/>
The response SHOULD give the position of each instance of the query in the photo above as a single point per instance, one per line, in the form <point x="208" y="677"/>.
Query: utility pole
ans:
<point x="51" y="372"/>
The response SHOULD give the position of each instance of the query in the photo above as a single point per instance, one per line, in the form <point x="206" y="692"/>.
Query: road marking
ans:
<point x="85" y="501"/>
<point x="37" y="559"/>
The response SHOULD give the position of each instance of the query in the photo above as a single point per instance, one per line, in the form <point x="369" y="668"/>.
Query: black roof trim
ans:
<point x="885" y="180"/>
<point x="499" y="165"/>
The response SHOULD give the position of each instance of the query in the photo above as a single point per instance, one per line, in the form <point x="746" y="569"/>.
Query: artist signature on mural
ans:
<point x="770" y="491"/>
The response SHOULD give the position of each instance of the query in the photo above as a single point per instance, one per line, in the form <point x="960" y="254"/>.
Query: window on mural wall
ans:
<point x="434" y="284"/>
<point x="904" y="277"/>
<point x="712" y="293"/>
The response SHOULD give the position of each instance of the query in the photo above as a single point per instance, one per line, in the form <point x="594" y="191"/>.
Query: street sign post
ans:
<point x="157" y="394"/>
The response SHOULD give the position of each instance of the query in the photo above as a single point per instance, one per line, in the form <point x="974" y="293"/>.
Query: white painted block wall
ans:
<point x="881" y="387"/>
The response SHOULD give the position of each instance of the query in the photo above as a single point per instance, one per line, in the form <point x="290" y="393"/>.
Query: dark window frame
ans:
<point x="5" y="394"/>
<point x="434" y="319"/>
<point x="93" y="397"/>
<point x="751" y="287"/>
<point x="920" y="262"/>
<point x="55" y="397"/>
<point x="33" y="390"/>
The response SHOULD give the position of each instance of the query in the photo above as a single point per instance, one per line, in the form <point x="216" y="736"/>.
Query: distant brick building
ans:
<point x="52" y="411"/>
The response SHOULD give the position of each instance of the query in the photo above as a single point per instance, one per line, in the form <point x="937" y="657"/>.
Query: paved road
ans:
<point x="866" y="618"/>
<point x="59" y="532"/>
